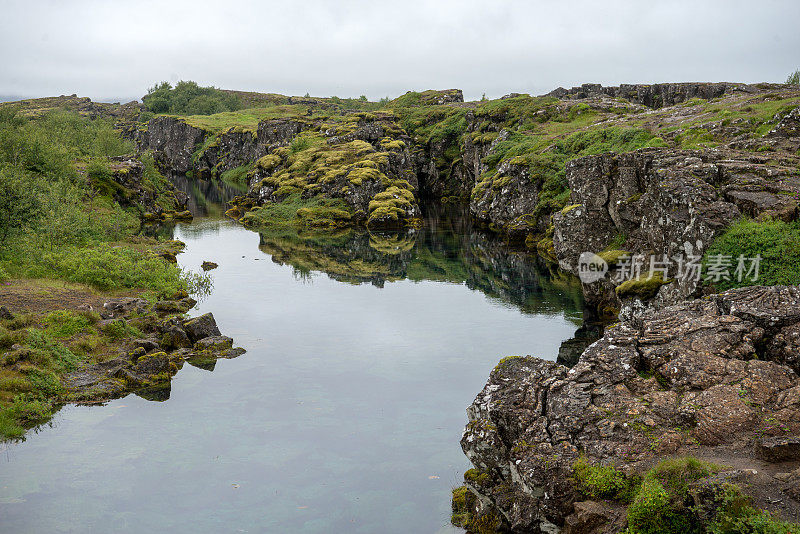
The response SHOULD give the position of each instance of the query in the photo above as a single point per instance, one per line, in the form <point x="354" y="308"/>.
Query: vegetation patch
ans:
<point x="295" y="211"/>
<point x="604" y="482"/>
<point x="776" y="242"/>
<point x="189" y="98"/>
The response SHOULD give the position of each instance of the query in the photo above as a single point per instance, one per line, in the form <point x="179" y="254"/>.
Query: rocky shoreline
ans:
<point x="714" y="378"/>
<point x="127" y="345"/>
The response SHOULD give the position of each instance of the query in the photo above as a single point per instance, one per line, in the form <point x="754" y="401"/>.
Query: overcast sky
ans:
<point x="115" y="50"/>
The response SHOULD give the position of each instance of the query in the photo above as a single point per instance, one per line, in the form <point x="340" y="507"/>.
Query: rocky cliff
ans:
<point x="666" y="203"/>
<point x="714" y="378"/>
<point x="660" y="94"/>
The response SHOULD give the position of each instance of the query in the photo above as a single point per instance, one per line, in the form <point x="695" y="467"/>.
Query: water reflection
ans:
<point x="207" y="198"/>
<point x="437" y="252"/>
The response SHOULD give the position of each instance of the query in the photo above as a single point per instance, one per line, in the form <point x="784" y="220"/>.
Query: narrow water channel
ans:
<point x="344" y="415"/>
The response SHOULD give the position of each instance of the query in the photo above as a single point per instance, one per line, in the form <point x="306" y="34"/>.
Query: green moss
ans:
<point x="323" y="216"/>
<point x="269" y="162"/>
<point x="603" y="482"/>
<point x="295" y="211"/>
<point x="390" y="205"/>
<point x="387" y="143"/>
<point x="464" y="506"/>
<point x="611" y="257"/>
<point x="645" y="286"/>
<point x="504" y="361"/>
<point x="462" y="503"/>
<point x="776" y="242"/>
<point x="569" y="208"/>
<point x="477" y="477"/>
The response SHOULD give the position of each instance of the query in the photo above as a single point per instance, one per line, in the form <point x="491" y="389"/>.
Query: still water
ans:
<point x="344" y="415"/>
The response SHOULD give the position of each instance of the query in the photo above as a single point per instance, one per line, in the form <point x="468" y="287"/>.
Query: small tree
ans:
<point x="794" y="78"/>
<point x="19" y="205"/>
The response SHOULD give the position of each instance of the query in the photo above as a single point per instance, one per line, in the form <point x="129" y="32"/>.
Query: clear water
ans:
<point x="344" y="415"/>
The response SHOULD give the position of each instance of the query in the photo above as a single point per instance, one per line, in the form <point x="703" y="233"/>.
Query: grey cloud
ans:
<point x="106" y="49"/>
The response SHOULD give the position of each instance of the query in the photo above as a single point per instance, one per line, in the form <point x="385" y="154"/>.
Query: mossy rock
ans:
<point x="645" y="287"/>
<point x="611" y="257"/>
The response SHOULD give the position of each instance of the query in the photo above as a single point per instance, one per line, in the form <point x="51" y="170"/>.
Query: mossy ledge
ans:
<point x="100" y="350"/>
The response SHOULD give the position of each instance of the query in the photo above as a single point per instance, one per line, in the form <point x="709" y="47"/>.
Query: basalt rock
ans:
<point x="172" y="141"/>
<point x="690" y="379"/>
<point x="666" y="203"/>
<point x="201" y="327"/>
<point x="147" y="363"/>
<point x="508" y="206"/>
<point x="656" y="95"/>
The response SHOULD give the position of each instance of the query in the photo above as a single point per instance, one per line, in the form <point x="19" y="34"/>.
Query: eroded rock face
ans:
<point x="172" y="141"/>
<point x="666" y="202"/>
<point x="696" y="378"/>
<point x="655" y="95"/>
<point x="510" y="205"/>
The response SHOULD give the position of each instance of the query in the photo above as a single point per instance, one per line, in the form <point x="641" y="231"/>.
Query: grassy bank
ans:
<point x="65" y="240"/>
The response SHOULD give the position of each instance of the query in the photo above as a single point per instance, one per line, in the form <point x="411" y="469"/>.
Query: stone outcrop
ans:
<point x="234" y="148"/>
<point x="147" y="364"/>
<point x="172" y="141"/>
<point x="131" y="189"/>
<point x="656" y="95"/>
<point x="702" y="378"/>
<point x="666" y="202"/>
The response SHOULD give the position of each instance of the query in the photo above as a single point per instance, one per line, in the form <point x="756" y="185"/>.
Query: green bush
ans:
<point x="663" y="504"/>
<point x="188" y="98"/>
<point x="109" y="267"/>
<point x="735" y="515"/>
<point x="794" y="78"/>
<point x="776" y="242"/>
<point x="652" y="512"/>
<point x="19" y="203"/>
<point x="603" y="482"/>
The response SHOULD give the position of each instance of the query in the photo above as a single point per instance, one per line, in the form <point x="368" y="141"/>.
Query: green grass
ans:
<point x="777" y="242"/>
<point x="244" y="119"/>
<point x="237" y="177"/>
<point x="62" y="324"/>
<point x="75" y="230"/>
